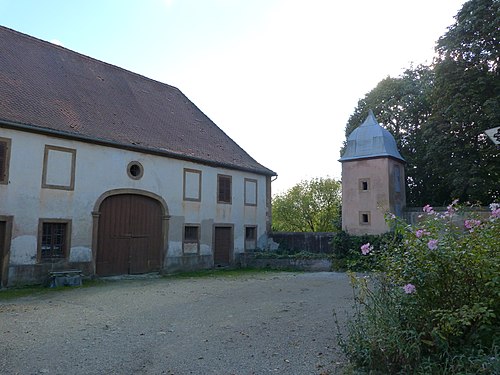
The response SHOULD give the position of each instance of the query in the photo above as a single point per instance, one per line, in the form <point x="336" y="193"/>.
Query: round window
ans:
<point x="135" y="170"/>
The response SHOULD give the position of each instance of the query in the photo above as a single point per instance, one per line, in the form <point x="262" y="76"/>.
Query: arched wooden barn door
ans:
<point x="129" y="235"/>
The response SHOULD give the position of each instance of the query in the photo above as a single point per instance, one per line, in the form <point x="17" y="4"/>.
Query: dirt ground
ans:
<point x="261" y="323"/>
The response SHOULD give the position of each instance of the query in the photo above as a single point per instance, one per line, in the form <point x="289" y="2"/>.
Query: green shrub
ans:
<point x="346" y="254"/>
<point x="435" y="307"/>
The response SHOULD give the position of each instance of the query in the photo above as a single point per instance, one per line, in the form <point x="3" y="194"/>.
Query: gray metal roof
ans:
<point x="370" y="140"/>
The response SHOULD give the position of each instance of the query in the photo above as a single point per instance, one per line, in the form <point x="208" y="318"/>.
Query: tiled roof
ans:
<point x="370" y="140"/>
<point x="45" y="87"/>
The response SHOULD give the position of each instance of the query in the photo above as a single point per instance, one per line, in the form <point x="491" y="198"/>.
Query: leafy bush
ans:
<point x="346" y="254"/>
<point x="435" y="307"/>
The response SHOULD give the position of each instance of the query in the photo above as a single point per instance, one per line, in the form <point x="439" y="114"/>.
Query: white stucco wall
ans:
<point x="100" y="169"/>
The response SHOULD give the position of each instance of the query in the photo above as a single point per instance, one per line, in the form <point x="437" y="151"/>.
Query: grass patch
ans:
<point x="223" y="272"/>
<point x="39" y="290"/>
<point x="13" y="293"/>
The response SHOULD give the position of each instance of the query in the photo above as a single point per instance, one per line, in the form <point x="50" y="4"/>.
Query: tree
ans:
<point x="465" y="164"/>
<point x="309" y="206"/>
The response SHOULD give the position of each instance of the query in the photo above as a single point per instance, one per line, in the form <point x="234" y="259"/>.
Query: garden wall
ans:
<point x="311" y="242"/>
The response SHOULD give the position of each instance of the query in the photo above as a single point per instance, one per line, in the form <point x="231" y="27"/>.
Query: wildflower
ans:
<point x="428" y="209"/>
<point x="421" y="232"/>
<point x="432" y="244"/>
<point x="495" y="210"/>
<point x="366" y="248"/>
<point x="471" y="224"/>
<point x="409" y="288"/>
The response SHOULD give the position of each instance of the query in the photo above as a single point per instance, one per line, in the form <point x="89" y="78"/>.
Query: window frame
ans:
<point x="194" y="171"/>
<point x="362" y="216"/>
<point x="4" y="177"/>
<point x="66" y="241"/>
<point x="362" y="182"/>
<point x="191" y="241"/>
<point x="254" y="228"/>
<point x="71" y="151"/>
<point x="229" y="200"/>
<point x="250" y="180"/>
<point x="132" y="164"/>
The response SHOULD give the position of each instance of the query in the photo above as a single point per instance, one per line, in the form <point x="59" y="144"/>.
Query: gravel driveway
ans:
<point x="259" y="323"/>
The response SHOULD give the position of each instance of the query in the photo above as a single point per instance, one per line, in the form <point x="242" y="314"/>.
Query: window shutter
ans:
<point x="3" y="159"/>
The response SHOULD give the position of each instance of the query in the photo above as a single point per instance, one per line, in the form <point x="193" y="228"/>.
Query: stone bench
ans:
<point x="65" y="278"/>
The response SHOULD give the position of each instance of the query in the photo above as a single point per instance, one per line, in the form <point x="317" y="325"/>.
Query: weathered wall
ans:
<point x="101" y="169"/>
<point x="379" y="197"/>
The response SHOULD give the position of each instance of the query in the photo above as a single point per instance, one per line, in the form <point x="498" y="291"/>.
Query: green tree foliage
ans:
<point x="309" y="206"/>
<point x="466" y="102"/>
<point x="438" y="114"/>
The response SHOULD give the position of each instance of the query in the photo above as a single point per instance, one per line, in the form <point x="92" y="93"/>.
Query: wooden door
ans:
<point x="223" y="245"/>
<point x="129" y="235"/>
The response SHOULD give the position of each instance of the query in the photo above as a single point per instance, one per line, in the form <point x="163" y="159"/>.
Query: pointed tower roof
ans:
<point x="370" y="140"/>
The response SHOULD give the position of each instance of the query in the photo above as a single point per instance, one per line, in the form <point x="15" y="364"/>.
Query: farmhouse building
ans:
<point x="373" y="180"/>
<point x="109" y="172"/>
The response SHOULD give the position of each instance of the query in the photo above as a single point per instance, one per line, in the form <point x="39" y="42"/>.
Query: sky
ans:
<point x="280" y="77"/>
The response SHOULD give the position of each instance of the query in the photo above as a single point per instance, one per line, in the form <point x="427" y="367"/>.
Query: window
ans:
<point x="59" y="168"/>
<point x="54" y="236"/>
<point x="364" y="218"/>
<point x="4" y="160"/>
<point x="250" y="238"/>
<point x="192" y="185"/>
<point x="223" y="189"/>
<point x="191" y="242"/>
<point x="135" y="170"/>
<point x="250" y="192"/>
<point x="364" y="184"/>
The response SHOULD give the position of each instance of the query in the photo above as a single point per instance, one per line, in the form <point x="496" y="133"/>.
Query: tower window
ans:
<point x="364" y="184"/>
<point x="364" y="218"/>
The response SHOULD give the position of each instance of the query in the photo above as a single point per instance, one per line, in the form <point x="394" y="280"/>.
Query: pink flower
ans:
<point x="428" y="209"/>
<point x="471" y="224"/>
<point x="495" y="210"/>
<point x="421" y="232"/>
<point x="409" y="288"/>
<point x="366" y="248"/>
<point x="432" y="244"/>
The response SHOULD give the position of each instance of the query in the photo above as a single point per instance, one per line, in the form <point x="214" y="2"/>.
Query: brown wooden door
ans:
<point x="223" y="245"/>
<point x="129" y="236"/>
<point x="3" y="227"/>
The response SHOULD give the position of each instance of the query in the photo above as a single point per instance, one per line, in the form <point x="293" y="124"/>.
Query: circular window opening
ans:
<point x="135" y="170"/>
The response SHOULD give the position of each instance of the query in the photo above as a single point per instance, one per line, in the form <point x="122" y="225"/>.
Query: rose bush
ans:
<point x="436" y="302"/>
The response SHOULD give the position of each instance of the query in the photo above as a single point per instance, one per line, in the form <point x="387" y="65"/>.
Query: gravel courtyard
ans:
<point x="258" y="323"/>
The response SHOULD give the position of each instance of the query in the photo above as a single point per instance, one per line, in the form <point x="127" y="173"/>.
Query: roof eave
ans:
<point x="356" y="158"/>
<point x="137" y="148"/>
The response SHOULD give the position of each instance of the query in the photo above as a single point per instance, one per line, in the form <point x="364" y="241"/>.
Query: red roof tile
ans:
<point x="45" y="87"/>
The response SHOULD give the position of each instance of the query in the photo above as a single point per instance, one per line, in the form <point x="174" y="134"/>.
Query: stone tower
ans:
<point x="373" y="180"/>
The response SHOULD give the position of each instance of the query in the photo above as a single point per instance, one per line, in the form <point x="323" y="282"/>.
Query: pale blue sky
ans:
<point x="281" y="77"/>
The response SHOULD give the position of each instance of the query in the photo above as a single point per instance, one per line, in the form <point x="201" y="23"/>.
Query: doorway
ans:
<point x="129" y="235"/>
<point x="223" y="245"/>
